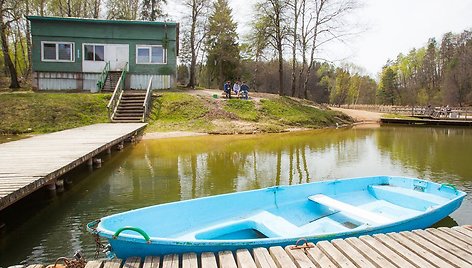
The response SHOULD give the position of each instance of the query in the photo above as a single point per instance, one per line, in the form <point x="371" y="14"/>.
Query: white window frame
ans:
<point x="93" y="44"/>
<point x="150" y="54"/>
<point x="57" y="51"/>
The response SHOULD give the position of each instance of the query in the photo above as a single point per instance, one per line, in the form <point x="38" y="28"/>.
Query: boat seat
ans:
<point x="350" y="210"/>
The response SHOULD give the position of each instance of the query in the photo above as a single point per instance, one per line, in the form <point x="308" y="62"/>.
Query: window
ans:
<point x="57" y="51"/>
<point x="150" y="55"/>
<point x="94" y="52"/>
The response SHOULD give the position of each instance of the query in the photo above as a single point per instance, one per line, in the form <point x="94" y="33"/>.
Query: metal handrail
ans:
<point x="147" y="100"/>
<point x="103" y="76"/>
<point x="117" y="94"/>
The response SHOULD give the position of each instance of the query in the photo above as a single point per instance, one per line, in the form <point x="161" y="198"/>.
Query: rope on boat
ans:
<point x="135" y="229"/>
<point x="99" y="245"/>
<point x="77" y="262"/>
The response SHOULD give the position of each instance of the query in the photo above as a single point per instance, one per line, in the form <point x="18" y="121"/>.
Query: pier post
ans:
<point x="90" y="162"/>
<point x="51" y="187"/>
<point x="68" y="181"/>
<point x="109" y="150"/>
<point x="60" y="185"/>
<point x="120" y="146"/>
<point x="97" y="162"/>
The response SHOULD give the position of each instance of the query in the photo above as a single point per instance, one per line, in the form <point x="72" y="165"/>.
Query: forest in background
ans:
<point x="279" y="54"/>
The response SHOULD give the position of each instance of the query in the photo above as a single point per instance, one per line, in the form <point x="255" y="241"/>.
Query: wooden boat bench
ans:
<point x="350" y="210"/>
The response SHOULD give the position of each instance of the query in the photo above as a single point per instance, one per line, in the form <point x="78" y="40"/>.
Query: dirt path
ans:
<point x="360" y="116"/>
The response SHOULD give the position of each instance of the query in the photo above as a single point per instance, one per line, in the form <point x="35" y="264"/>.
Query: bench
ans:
<point x="350" y="210"/>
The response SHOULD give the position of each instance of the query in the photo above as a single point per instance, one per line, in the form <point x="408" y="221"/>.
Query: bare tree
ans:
<point x="196" y="33"/>
<point x="7" y="17"/>
<point x="271" y="13"/>
<point x="326" y="26"/>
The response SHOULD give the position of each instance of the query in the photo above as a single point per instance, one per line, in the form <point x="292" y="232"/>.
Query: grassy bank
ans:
<point x="196" y="112"/>
<point x="28" y="112"/>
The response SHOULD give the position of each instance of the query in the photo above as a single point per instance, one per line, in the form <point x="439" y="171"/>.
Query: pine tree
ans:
<point x="223" y="58"/>
<point x="151" y="10"/>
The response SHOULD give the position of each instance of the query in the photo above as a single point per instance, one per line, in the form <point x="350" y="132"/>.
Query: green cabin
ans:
<point x="91" y="54"/>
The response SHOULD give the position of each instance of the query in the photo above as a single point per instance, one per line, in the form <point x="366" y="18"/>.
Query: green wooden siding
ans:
<point x="80" y="31"/>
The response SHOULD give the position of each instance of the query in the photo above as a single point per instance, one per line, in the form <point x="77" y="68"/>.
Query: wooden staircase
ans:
<point x="111" y="80"/>
<point x="131" y="107"/>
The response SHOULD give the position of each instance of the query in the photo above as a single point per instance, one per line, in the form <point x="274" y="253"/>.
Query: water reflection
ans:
<point x="159" y="171"/>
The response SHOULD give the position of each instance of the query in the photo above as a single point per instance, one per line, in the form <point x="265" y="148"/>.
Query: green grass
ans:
<point x="294" y="113"/>
<point x="178" y="111"/>
<point x="243" y="109"/>
<point x="47" y="112"/>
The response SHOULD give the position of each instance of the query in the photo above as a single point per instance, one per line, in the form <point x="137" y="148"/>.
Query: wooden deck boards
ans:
<point x="29" y="164"/>
<point x="442" y="247"/>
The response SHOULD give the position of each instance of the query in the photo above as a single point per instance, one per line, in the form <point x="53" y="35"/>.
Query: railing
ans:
<point x="148" y="100"/>
<point x="443" y="112"/>
<point x="117" y="93"/>
<point x="103" y="76"/>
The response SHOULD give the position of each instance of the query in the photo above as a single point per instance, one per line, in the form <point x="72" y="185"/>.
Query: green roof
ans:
<point x="99" y="21"/>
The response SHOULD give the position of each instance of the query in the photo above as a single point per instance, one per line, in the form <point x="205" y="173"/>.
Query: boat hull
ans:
<point x="132" y="244"/>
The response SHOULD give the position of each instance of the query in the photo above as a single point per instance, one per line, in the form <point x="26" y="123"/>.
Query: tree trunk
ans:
<point x="193" y="61"/>
<point x="294" y="47"/>
<point x="28" y="42"/>
<point x="6" y="56"/>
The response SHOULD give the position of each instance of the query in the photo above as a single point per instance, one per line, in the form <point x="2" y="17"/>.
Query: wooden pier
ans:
<point x="442" y="247"/>
<point x="29" y="164"/>
<point x="426" y="121"/>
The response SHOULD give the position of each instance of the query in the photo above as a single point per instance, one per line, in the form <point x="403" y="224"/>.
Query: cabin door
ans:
<point x="118" y="56"/>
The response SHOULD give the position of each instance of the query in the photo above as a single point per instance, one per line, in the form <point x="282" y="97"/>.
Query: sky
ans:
<point x="389" y="27"/>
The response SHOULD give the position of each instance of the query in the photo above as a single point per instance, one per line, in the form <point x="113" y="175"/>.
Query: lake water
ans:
<point x="44" y="227"/>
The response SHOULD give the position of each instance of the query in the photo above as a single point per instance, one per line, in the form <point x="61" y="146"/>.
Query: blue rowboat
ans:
<point x="280" y="215"/>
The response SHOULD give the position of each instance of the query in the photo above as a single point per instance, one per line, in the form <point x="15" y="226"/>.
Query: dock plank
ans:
<point x="281" y="257"/>
<point x="189" y="260"/>
<point x="464" y="231"/>
<point x="446" y="245"/>
<point x="368" y="252"/>
<point x="44" y="158"/>
<point x="406" y="253"/>
<point x="319" y="258"/>
<point x="132" y="262"/>
<point x="451" y="239"/>
<point x="226" y="259"/>
<point x="434" y="259"/>
<point x="170" y="261"/>
<point x="152" y="262"/>
<point x="244" y="259"/>
<point x="90" y="264"/>
<point x="263" y="259"/>
<point x="435" y="249"/>
<point x="208" y="259"/>
<point x="385" y="251"/>
<point x="356" y="257"/>
<point x="114" y="263"/>
<point x="457" y="235"/>
<point x="299" y="257"/>
<point x="39" y="266"/>
<point x="335" y="255"/>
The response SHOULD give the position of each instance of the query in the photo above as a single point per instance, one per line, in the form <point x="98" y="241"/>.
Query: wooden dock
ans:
<point x="29" y="164"/>
<point x="426" y="121"/>
<point x="442" y="247"/>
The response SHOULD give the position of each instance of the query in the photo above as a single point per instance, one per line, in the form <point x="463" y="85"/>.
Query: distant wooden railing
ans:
<point x="442" y="112"/>
<point x="147" y="100"/>
<point x="117" y="94"/>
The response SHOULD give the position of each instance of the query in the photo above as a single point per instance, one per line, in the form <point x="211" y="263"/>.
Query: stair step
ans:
<point x="129" y="114"/>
